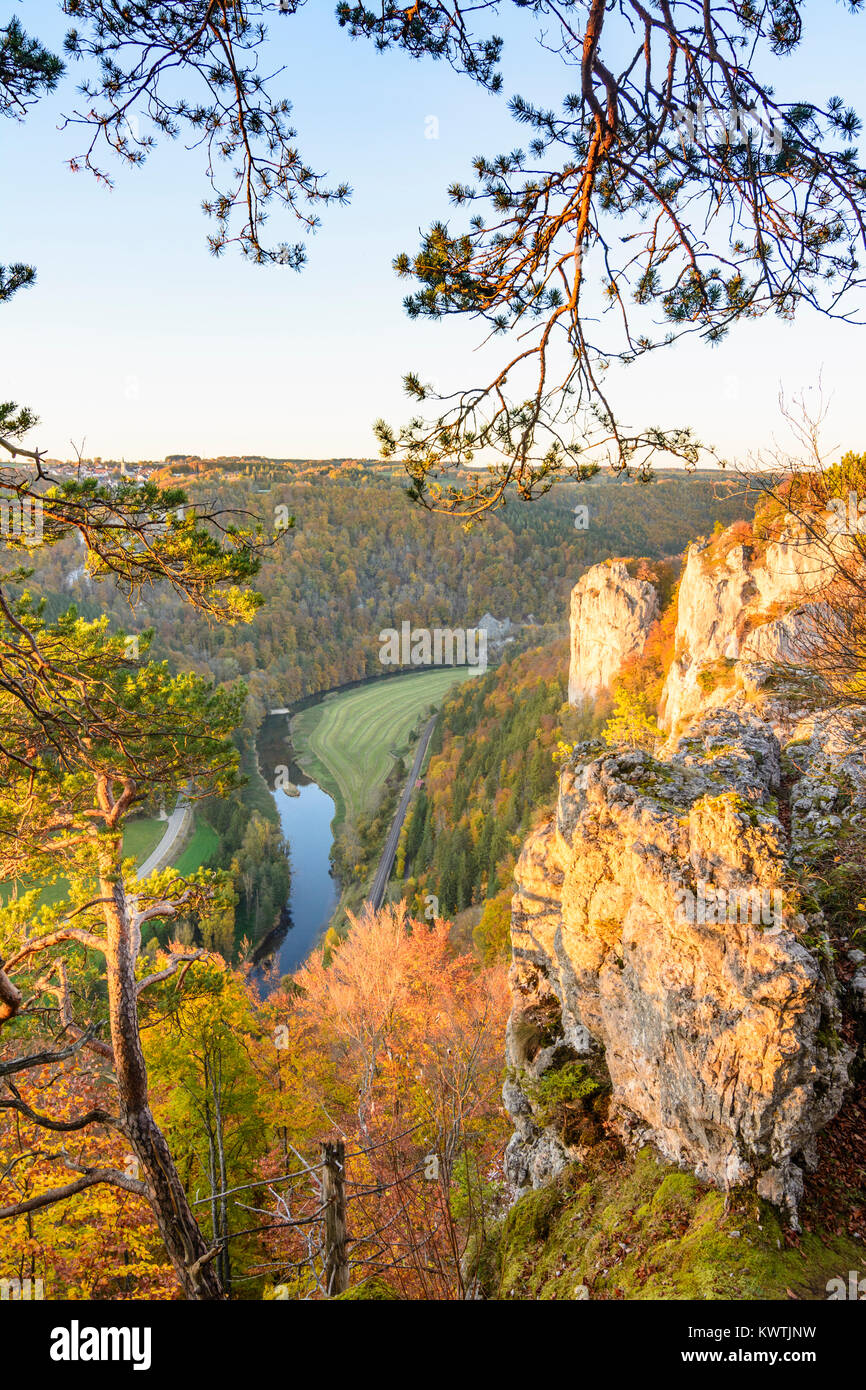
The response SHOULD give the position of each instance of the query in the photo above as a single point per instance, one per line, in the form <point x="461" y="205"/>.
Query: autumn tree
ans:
<point x="631" y="722"/>
<point x="102" y="1243"/>
<point x="88" y="736"/>
<point x="817" y="503"/>
<point x="212" y="1099"/>
<point x="395" y="1045"/>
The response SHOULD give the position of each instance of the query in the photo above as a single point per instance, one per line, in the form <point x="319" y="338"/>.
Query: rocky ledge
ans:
<point x="663" y="967"/>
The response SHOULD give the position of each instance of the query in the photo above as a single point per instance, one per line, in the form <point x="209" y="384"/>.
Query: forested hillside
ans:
<point x="361" y="558"/>
<point x="492" y="772"/>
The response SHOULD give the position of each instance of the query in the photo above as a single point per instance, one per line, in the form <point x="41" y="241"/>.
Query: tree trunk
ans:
<point x="10" y="997"/>
<point x="183" y="1240"/>
<point x="334" y="1202"/>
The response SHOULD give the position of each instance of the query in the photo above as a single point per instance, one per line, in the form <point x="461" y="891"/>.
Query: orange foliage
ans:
<point x="101" y="1243"/>
<point x="644" y="673"/>
<point x="396" y="1044"/>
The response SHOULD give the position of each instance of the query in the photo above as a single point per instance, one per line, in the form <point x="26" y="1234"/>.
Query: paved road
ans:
<point x="173" y="827"/>
<point x="386" y="863"/>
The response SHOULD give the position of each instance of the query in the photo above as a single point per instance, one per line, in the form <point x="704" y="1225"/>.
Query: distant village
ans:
<point x="102" y="470"/>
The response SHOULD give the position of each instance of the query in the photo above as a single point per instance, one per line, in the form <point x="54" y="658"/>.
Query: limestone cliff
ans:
<point x="737" y="604"/>
<point x="659" y="944"/>
<point x="611" y="614"/>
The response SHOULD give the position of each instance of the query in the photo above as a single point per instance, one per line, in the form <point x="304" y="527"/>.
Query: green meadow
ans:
<point x="200" y="848"/>
<point x="348" y="742"/>
<point x="140" y="838"/>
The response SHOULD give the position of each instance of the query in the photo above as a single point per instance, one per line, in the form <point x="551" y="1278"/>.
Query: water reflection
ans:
<point x="305" y="818"/>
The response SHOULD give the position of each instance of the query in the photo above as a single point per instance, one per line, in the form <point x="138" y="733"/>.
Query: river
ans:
<point x="306" y="823"/>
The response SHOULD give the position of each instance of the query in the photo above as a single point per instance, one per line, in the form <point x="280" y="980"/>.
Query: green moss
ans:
<point x="376" y="1288"/>
<point x="676" y="1193"/>
<point x="511" y="1250"/>
<point x="529" y="1219"/>
<point x="656" y="779"/>
<point x="630" y="1226"/>
<point x="738" y="805"/>
<point x="830" y="1038"/>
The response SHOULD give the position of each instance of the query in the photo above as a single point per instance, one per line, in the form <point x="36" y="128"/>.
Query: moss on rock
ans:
<point x="630" y="1226"/>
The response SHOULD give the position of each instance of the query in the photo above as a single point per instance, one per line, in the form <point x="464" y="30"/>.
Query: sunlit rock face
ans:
<point x="742" y="608"/>
<point x="651" y="931"/>
<point x="720" y="1037"/>
<point x="611" y="614"/>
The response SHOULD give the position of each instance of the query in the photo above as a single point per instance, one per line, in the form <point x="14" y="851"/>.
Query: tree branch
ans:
<point x="43" y="1059"/>
<point x="60" y="1194"/>
<point x="92" y="1117"/>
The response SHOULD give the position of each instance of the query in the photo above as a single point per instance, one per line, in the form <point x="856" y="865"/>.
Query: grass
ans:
<point x="348" y="742"/>
<point x="199" y="850"/>
<point x="52" y="892"/>
<point x="140" y="837"/>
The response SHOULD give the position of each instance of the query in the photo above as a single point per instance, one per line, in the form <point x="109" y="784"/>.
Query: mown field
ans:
<point x="348" y="742"/>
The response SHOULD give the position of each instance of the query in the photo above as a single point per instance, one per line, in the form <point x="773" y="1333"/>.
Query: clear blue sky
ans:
<point x="136" y="340"/>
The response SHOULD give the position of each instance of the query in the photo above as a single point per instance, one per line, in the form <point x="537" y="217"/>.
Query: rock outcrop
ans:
<point x="736" y="605"/>
<point x="654" y="930"/>
<point x="611" y="614"/>
<point x="720" y="1037"/>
